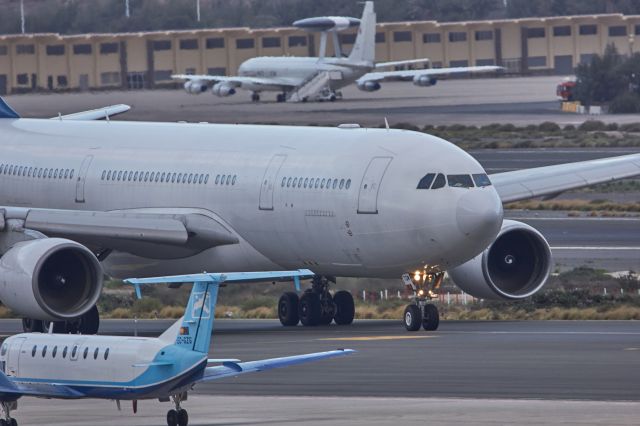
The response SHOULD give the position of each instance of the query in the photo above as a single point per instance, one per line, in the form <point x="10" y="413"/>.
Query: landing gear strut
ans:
<point x="178" y="416"/>
<point x="316" y="306"/>
<point x="420" y="313"/>
<point x="255" y="97"/>
<point x="7" y="406"/>
<point x="281" y="97"/>
<point x="85" y="324"/>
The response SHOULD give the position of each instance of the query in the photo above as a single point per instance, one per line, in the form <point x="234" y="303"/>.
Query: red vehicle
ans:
<point x="565" y="90"/>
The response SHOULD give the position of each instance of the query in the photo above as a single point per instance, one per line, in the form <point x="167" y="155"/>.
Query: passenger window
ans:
<point x="300" y="180"/>
<point x="173" y="178"/>
<point x="135" y="176"/>
<point x="30" y="170"/>
<point x="190" y="177"/>
<point x="44" y="351"/>
<point x="86" y="352"/>
<point x="40" y="173"/>
<point x="71" y="175"/>
<point x="109" y="175"/>
<point x="439" y="182"/>
<point x="481" y="180"/>
<point x="66" y="173"/>
<point x="153" y="174"/>
<point x="460" y="181"/>
<point x="217" y="179"/>
<point x="120" y="175"/>
<point x="200" y="178"/>
<point x="54" y="351"/>
<point x="130" y="176"/>
<point x="146" y="176"/>
<point x="426" y="181"/>
<point x="64" y="352"/>
<point x="162" y="177"/>
<point x="348" y="184"/>
<point x="289" y="182"/>
<point x="106" y="354"/>
<point x="50" y="173"/>
<point x="341" y="183"/>
<point x="74" y="352"/>
<point x="157" y="177"/>
<point x="1" y="168"/>
<point x="104" y="174"/>
<point x="44" y="175"/>
<point x="306" y="182"/>
<point x="335" y="183"/>
<point x="34" y="350"/>
<point x="20" y="171"/>
<point x="206" y="179"/>
<point x="95" y="353"/>
<point x="322" y="184"/>
<point x="228" y="179"/>
<point x="55" y="174"/>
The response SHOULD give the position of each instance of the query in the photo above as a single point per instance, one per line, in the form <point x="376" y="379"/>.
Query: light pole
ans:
<point x="127" y="13"/>
<point x="22" y="15"/>
<point x="198" y="10"/>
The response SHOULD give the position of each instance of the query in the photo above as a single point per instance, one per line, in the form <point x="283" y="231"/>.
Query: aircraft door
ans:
<point x="13" y="356"/>
<point x="82" y="177"/>
<point x="370" y="185"/>
<point x="269" y="181"/>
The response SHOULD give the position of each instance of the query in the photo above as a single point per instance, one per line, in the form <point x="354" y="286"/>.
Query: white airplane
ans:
<point x="321" y="78"/>
<point x="136" y="368"/>
<point x="149" y="199"/>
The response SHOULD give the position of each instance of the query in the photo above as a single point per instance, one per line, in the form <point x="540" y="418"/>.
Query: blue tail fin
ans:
<point x="6" y="111"/>
<point x="197" y="322"/>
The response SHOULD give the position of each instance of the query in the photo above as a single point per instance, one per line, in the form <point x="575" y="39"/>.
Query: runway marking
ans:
<point x="369" y="338"/>
<point x="596" y="248"/>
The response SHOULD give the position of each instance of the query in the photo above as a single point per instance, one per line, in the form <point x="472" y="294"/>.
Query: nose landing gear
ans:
<point x="7" y="406"/>
<point x="420" y="313"/>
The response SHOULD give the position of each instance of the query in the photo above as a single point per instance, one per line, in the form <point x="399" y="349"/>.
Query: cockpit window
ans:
<point x="481" y="180"/>
<point x="425" y="182"/>
<point x="439" y="182"/>
<point x="460" y="181"/>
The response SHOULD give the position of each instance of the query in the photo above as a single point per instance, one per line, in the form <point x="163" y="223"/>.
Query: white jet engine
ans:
<point x="515" y="266"/>
<point x="223" y="89"/>
<point x="424" y="81"/>
<point x="368" y="86"/>
<point x="195" y="87"/>
<point x="50" y="278"/>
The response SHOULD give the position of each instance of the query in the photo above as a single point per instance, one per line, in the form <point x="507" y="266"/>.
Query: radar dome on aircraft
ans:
<point x="327" y="23"/>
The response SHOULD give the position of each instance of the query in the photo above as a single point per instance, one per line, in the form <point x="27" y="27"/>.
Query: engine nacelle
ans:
<point x="368" y="86"/>
<point x="50" y="279"/>
<point x="424" y="81"/>
<point x="515" y="266"/>
<point x="223" y="89"/>
<point x="195" y="87"/>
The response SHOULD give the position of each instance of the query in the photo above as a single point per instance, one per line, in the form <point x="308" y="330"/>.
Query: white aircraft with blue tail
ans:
<point x="135" y="368"/>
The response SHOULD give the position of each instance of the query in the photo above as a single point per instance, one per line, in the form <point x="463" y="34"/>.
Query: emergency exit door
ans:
<point x="82" y="177"/>
<point x="13" y="357"/>
<point x="370" y="185"/>
<point x="269" y="181"/>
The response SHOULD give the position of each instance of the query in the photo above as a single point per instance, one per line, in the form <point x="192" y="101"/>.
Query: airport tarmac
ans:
<point x="479" y="101"/>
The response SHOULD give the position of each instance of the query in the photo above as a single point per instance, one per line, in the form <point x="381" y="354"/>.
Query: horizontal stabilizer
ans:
<point x="154" y="364"/>
<point x="6" y="111"/>
<point x="221" y="360"/>
<point x="95" y="114"/>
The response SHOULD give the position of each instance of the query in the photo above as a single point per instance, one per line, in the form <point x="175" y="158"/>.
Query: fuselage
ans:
<point x="299" y="70"/>
<point x="340" y="201"/>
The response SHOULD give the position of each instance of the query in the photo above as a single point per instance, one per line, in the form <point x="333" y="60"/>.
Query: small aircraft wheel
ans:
<point x="172" y="418"/>
<point x="183" y="417"/>
<point x="288" y="309"/>
<point x="431" y="318"/>
<point x="30" y="325"/>
<point x="345" y="308"/>
<point x="309" y="309"/>
<point x="412" y="318"/>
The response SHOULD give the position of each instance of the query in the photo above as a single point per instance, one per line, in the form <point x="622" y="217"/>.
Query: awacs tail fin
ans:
<point x="193" y="330"/>
<point x="364" y="49"/>
<point x="6" y="111"/>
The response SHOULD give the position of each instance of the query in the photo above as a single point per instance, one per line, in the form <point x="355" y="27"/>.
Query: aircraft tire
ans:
<point x="90" y="321"/>
<point x="309" y="309"/>
<point x="345" y="307"/>
<point x="3" y="422"/>
<point x="288" y="309"/>
<point x="30" y="325"/>
<point x="13" y="422"/>
<point x="172" y="418"/>
<point x="431" y="318"/>
<point x="183" y="417"/>
<point x="412" y="318"/>
<point x="328" y="309"/>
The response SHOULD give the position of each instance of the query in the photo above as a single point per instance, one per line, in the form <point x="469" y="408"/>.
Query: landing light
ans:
<point x="420" y="292"/>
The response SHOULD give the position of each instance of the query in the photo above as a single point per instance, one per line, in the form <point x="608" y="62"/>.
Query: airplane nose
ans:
<point x="479" y="214"/>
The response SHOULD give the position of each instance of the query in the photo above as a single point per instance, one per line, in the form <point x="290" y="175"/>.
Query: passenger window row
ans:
<point x="315" y="183"/>
<point x="74" y="352"/>
<point x="35" y="172"/>
<point x="433" y="181"/>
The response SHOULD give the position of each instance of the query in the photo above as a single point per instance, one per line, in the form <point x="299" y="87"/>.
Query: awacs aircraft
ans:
<point x="149" y="199"/>
<point x="110" y="367"/>
<point x="311" y="78"/>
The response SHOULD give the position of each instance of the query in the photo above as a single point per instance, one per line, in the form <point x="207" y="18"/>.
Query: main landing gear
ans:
<point x="178" y="416"/>
<point x="7" y="406"/>
<point x="316" y="306"/>
<point x="255" y="97"/>
<point x="85" y="324"/>
<point x="281" y="97"/>
<point x="420" y="313"/>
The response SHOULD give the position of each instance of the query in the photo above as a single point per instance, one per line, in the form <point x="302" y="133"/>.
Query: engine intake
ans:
<point x="50" y="279"/>
<point x="424" y="81"/>
<point x="223" y="90"/>
<point x="195" y="87"/>
<point x="515" y="266"/>
<point x="368" y="86"/>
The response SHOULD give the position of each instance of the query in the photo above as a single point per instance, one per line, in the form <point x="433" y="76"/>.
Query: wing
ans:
<point x="95" y="114"/>
<point x="431" y="72"/>
<point x="552" y="180"/>
<point x="401" y="63"/>
<point x="231" y="369"/>
<point x="238" y="81"/>
<point x="144" y="233"/>
<point x="9" y="388"/>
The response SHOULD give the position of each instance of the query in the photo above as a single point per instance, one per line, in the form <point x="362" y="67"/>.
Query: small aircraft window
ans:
<point x="50" y="173"/>
<point x="153" y="174"/>
<point x="317" y="183"/>
<point x="233" y="182"/>
<point x="173" y="178"/>
<point x="481" y="180"/>
<point x="1" y="168"/>
<point x="289" y="182"/>
<point x="20" y="171"/>
<point x="3" y="352"/>
<point x="30" y="170"/>
<point x="95" y="353"/>
<point x="306" y="182"/>
<point x="157" y="176"/>
<point x="335" y="183"/>
<point x="64" y="352"/>
<point x="201" y="178"/>
<point x="295" y="182"/>
<point x="341" y="183"/>
<point x="146" y="176"/>
<point x="66" y="173"/>
<point x="44" y="351"/>
<point x="55" y="174"/>
<point x="135" y="176"/>
<point x="184" y="178"/>
<point x="190" y="177"/>
<point x="104" y="174"/>
<point x="322" y="183"/>
<point x="34" y="350"/>
<point x="109" y="175"/>
<point x="40" y="172"/>
<point x="217" y="179"/>
<point x="206" y="179"/>
<point x="348" y="184"/>
<point x="120" y="175"/>
<point x="130" y="175"/>
<point x="54" y="351"/>
<point x="44" y="175"/>
<point x="426" y="181"/>
<point x="439" y="182"/>
<point x="106" y="354"/>
<point x="74" y="352"/>
<point x="71" y="175"/>
<point x="284" y="181"/>
<point x="460" y="181"/>
<point x="86" y="352"/>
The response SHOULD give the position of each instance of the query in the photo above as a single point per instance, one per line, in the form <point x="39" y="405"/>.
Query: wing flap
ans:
<point x="540" y="181"/>
<point x="409" y="74"/>
<point x="95" y="114"/>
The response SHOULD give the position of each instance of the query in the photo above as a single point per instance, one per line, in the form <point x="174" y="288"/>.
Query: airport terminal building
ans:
<point x="146" y="60"/>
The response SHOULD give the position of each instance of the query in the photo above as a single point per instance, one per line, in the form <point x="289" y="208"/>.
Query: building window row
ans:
<point x="315" y="183"/>
<point x="74" y="352"/>
<point x="35" y="172"/>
